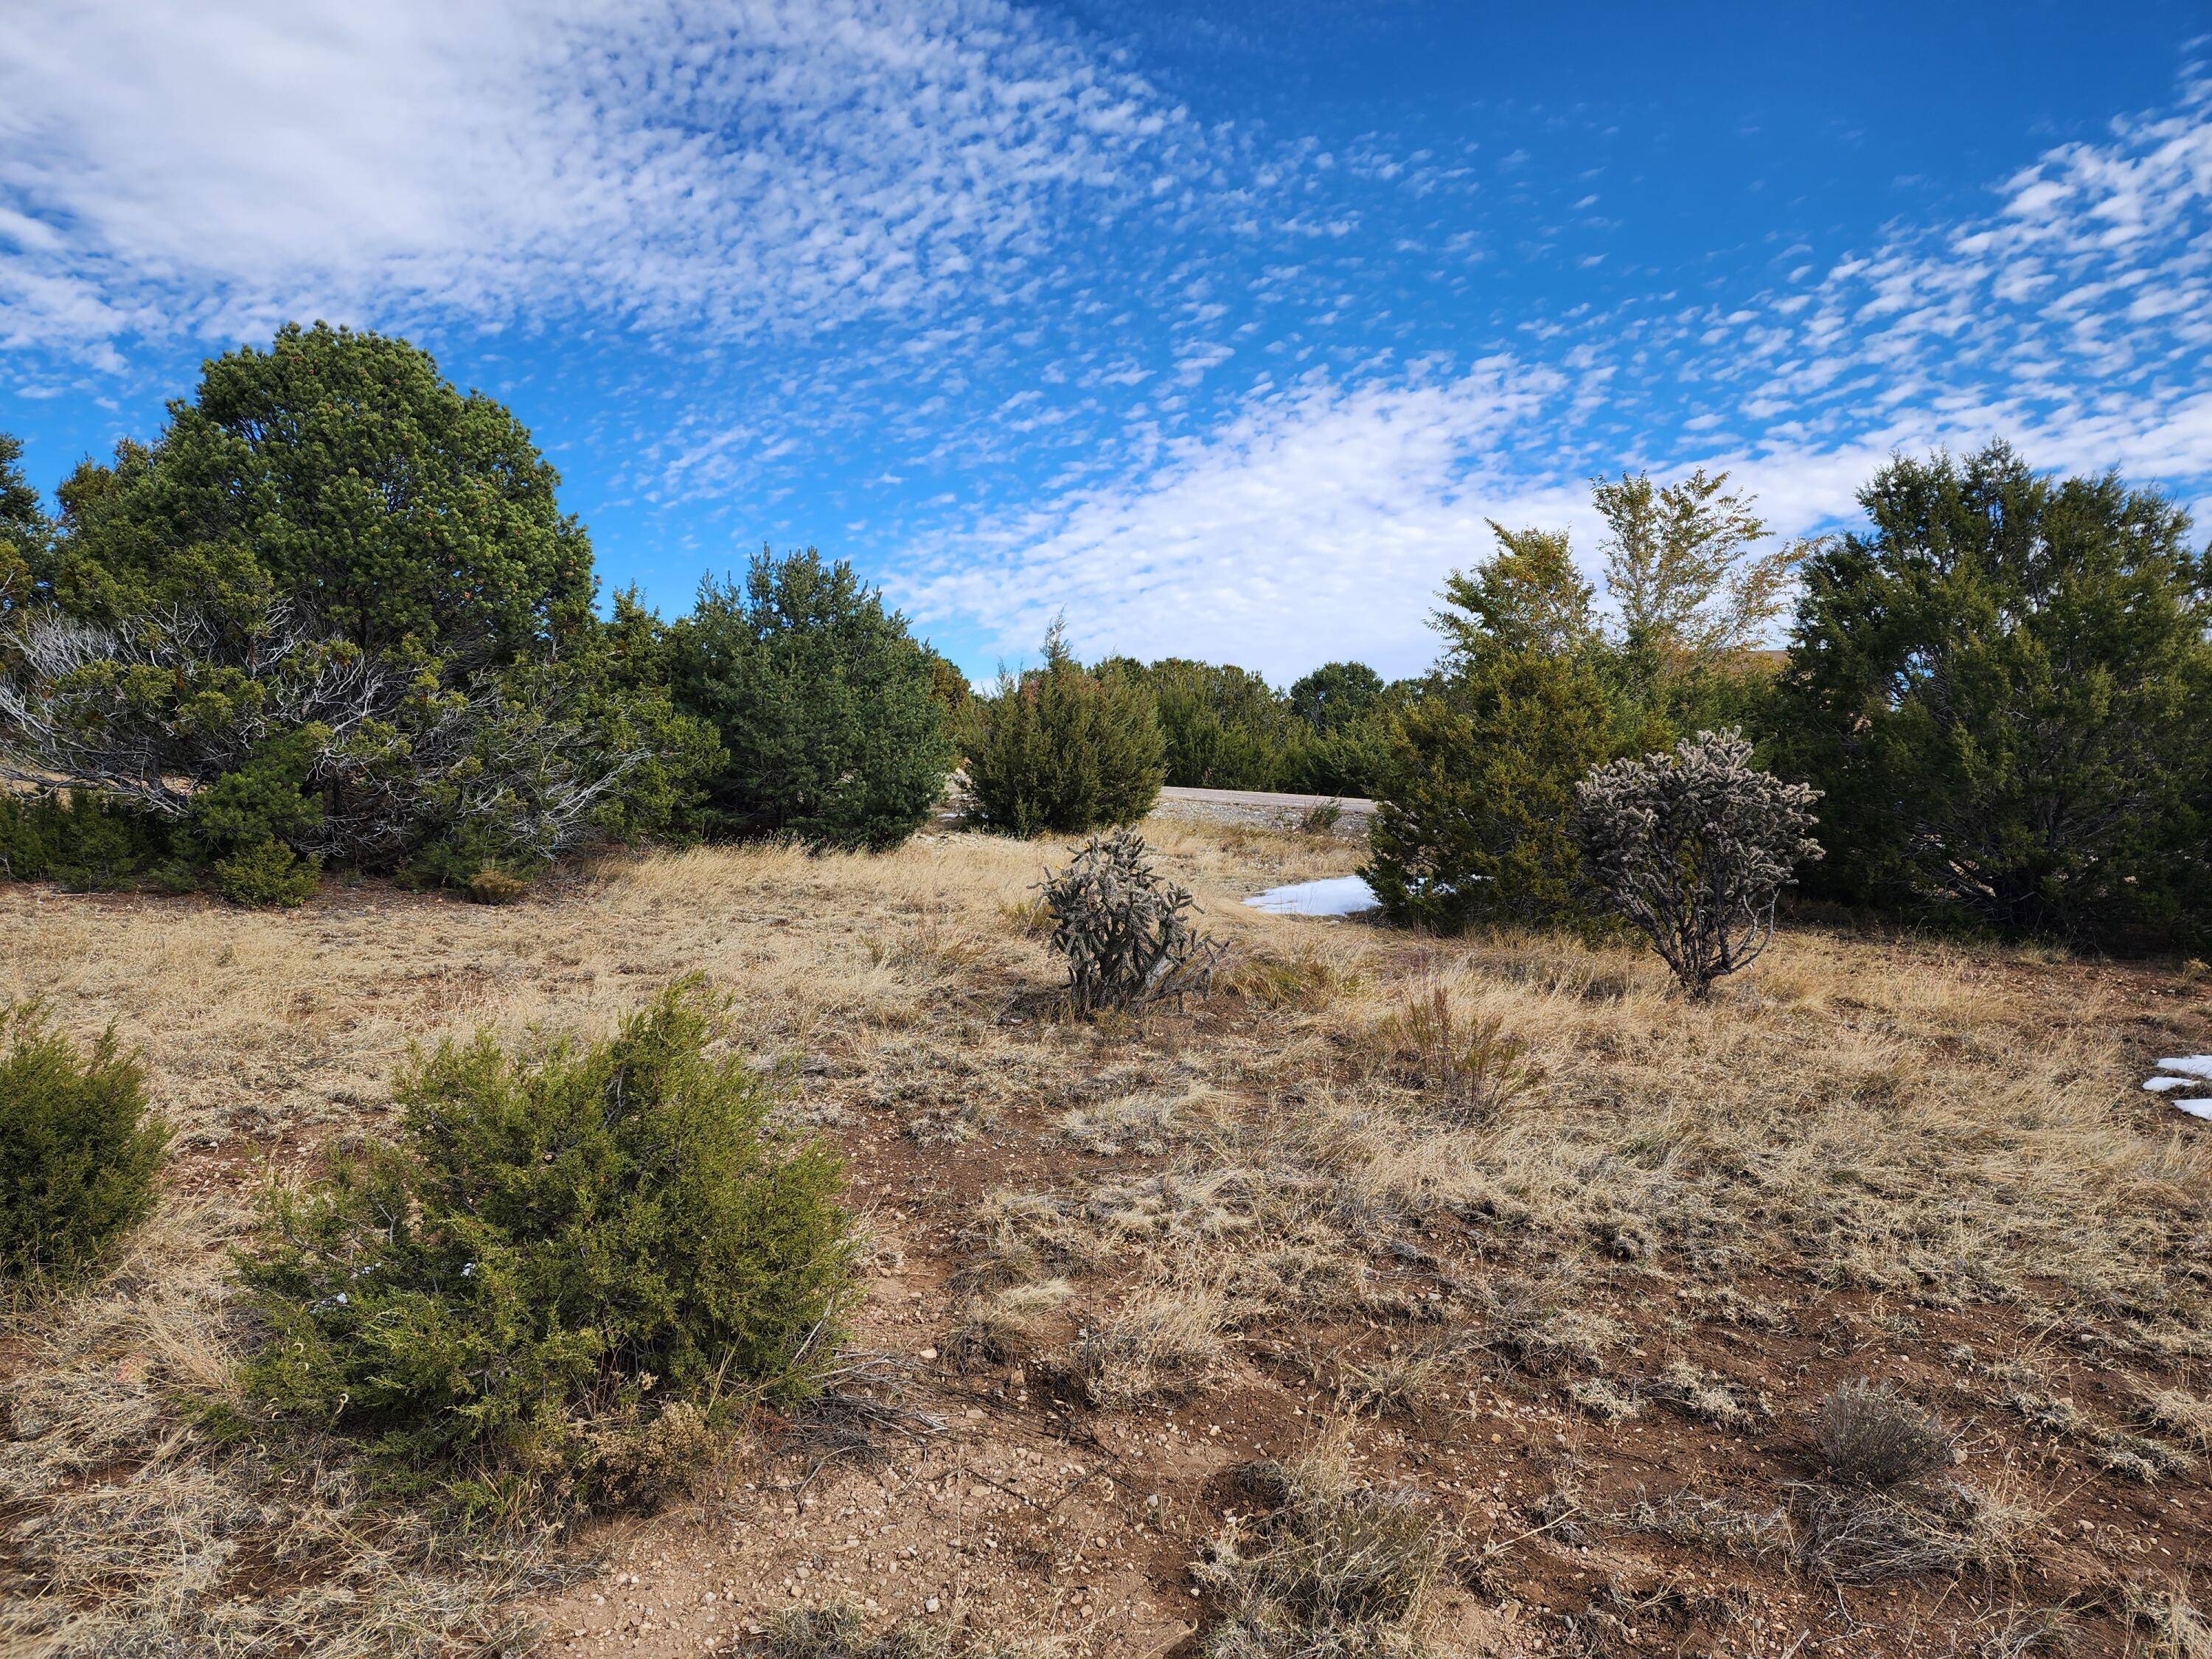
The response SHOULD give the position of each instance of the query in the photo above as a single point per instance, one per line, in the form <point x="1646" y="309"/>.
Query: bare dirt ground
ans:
<point x="1559" y="1265"/>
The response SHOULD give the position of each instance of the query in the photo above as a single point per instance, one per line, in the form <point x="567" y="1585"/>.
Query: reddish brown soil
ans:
<point x="1033" y="1516"/>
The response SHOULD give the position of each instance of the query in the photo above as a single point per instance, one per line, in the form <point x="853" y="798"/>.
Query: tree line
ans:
<point x="333" y="617"/>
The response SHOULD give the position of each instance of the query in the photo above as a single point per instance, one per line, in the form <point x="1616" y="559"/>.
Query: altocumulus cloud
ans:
<point x="1315" y="523"/>
<point x="207" y="170"/>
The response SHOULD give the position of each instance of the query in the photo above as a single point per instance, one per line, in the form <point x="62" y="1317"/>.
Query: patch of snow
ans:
<point x="1340" y="896"/>
<point x="2195" y="1070"/>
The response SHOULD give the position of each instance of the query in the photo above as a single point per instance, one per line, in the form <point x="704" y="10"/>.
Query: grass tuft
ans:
<point x="1869" y="1435"/>
<point x="1328" y="1567"/>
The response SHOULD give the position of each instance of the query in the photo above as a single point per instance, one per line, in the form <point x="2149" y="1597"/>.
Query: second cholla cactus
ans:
<point x="1126" y="930"/>
<point x="1693" y="848"/>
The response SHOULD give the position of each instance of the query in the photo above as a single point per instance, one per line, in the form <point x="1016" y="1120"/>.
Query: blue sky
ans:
<point x="1224" y="325"/>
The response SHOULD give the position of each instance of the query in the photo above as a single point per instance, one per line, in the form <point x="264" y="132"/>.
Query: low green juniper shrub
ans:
<point x="267" y="874"/>
<point x="76" y="838"/>
<point x="77" y="1150"/>
<point x="572" y="1275"/>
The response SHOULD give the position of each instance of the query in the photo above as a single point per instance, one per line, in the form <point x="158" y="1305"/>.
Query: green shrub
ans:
<point x="575" y="1268"/>
<point x="1474" y="827"/>
<point x="77" y="1155"/>
<point x="2005" y="689"/>
<point x="833" y="716"/>
<point x="76" y="838"/>
<point x="267" y="874"/>
<point x="1224" y="727"/>
<point x="1064" y="750"/>
<point x="1352" y="761"/>
<point x="26" y="843"/>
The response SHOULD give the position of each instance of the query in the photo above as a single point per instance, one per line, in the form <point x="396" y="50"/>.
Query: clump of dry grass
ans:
<point x="1147" y="1124"/>
<point x="1301" y="979"/>
<point x="1406" y="1379"/>
<point x="2181" y="1414"/>
<point x="2029" y="1634"/>
<point x="2139" y="1457"/>
<point x="1162" y="1342"/>
<point x="2119" y="1452"/>
<point x="1706" y="1396"/>
<point x="1862" y="1535"/>
<point x="2170" y="1623"/>
<point x="1534" y="1324"/>
<point x="838" y="1632"/>
<point x="1325" y="1566"/>
<point x="1607" y="1402"/>
<point x="998" y="1329"/>
<point x="1869" y="1435"/>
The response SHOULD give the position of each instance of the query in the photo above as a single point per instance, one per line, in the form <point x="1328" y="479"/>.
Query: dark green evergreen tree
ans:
<point x="340" y="471"/>
<point x="1474" y="827"/>
<point x="1224" y="728"/>
<point x="1066" y="750"/>
<point x="1336" y="695"/>
<point x="334" y="612"/>
<point x="23" y="527"/>
<point x="2004" y="687"/>
<point x="828" y="708"/>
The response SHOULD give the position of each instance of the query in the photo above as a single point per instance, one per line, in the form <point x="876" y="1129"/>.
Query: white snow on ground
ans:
<point x="1340" y="896"/>
<point x="2194" y="1069"/>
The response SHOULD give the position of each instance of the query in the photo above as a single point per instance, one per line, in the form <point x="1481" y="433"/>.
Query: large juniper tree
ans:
<point x="332" y="610"/>
<point x="2004" y="687"/>
<point x="344" y="472"/>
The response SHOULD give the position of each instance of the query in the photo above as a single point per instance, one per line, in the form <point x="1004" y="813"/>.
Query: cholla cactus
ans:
<point x="1693" y="848"/>
<point x="1125" y="929"/>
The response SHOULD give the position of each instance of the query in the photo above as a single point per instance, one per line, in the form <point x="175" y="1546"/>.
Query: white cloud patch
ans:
<point x="1317" y="523"/>
<point x="205" y="169"/>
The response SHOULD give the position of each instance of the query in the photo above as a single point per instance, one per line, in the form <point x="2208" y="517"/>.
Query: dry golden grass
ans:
<point x="1459" y="1143"/>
